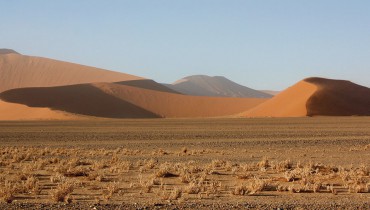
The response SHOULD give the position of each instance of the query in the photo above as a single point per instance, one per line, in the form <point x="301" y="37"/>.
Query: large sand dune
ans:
<point x="316" y="96"/>
<point x="116" y="100"/>
<point x="17" y="71"/>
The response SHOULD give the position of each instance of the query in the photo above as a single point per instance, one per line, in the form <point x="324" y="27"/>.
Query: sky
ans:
<point x="262" y="44"/>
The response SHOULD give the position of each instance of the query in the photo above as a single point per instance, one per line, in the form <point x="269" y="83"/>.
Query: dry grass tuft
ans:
<point x="62" y="192"/>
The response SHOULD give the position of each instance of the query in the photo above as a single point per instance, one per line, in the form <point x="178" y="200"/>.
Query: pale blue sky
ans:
<point x="263" y="44"/>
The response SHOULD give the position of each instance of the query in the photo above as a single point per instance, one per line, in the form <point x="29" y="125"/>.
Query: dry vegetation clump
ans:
<point x="7" y="192"/>
<point x="111" y="189"/>
<point x="166" y="170"/>
<point x="175" y="194"/>
<point x="251" y="187"/>
<point x="193" y="188"/>
<point x="62" y="192"/>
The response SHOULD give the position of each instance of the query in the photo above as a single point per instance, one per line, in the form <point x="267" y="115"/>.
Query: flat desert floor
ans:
<point x="289" y="163"/>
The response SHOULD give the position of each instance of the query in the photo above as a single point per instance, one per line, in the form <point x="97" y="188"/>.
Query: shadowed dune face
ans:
<point x="17" y="71"/>
<point x="338" y="98"/>
<point x="82" y="99"/>
<point x="289" y="103"/>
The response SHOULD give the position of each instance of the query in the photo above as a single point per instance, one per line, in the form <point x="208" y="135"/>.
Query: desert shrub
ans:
<point x="165" y="170"/>
<point x="58" y="177"/>
<point x="264" y="163"/>
<point x="62" y="192"/>
<point x="256" y="185"/>
<point x="175" y="194"/>
<point x="7" y="192"/>
<point x="283" y="166"/>
<point x="240" y="190"/>
<point x="193" y="188"/>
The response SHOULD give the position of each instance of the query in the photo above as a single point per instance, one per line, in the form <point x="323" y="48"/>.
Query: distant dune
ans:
<point x="115" y="100"/>
<point x="202" y="85"/>
<point x="316" y="96"/>
<point x="17" y="71"/>
<point x="7" y="51"/>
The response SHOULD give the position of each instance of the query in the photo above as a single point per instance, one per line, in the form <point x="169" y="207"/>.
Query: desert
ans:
<point x="185" y="105"/>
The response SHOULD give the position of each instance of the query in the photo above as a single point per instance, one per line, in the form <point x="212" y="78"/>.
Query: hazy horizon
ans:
<point x="259" y="44"/>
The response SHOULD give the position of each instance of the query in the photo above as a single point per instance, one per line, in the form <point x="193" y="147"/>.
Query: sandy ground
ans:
<point x="220" y="156"/>
<point x="12" y="111"/>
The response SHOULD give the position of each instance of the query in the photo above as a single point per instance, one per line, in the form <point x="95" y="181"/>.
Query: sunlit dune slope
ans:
<point x="289" y="103"/>
<point x="17" y="71"/>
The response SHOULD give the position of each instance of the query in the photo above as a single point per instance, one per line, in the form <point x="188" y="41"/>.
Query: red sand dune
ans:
<point x="316" y="96"/>
<point x="17" y="71"/>
<point x="115" y="100"/>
